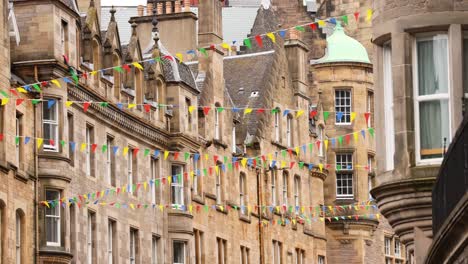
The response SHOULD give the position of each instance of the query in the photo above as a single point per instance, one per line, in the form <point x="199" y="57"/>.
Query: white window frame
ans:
<point x="177" y="186"/>
<point x="345" y="171"/>
<point x="184" y="249"/>
<point x="88" y="150"/>
<point x="57" y="218"/>
<point x="219" y="186"/>
<point x="277" y="252"/>
<point x="424" y="98"/>
<point x="154" y="169"/>
<point x="217" y="134"/>
<point x="397" y="248"/>
<point x="195" y="182"/>
<point x="18" y="238"/>
<point x="277" y="126"/>
<point x="109" y="160"/>
<point x="346" y="114"/>
<point x="274" y="180"/>
<point x="387" y="246"/>
<point x="130" y="169"/>
<point x="370" y="99"/>
<point x="289" y="126"/>
<point x="285" y="189"/>
<point x="110" y="241"/>
<point x="132" y="242"/>
<point x="155" y="250"/>
<point x="53" y="123"/>
<point x="297" y="191"/>
<point x="233" y="138"/>
<point x="320" y="138"/>
<point x="242" y="194"/>
<point x="388" y="107"/>
<point x="89" y="238"/>
<point x="18" y="134"/>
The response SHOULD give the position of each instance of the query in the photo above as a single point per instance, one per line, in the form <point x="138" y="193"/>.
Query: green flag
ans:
<point x="325" y="116"/>
<point x="248" y="43"/>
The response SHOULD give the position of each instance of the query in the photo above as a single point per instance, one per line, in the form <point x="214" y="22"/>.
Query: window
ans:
<point x="178" y="251"/>
<point x="91" y="237"/>
<point x="321" y="260"/>
<point x="233" y="138"/>
<point x="344" y="176"/>
<point x="245" y="255"/>
<point x="111" y="234"/>
<point x="196" y="184"/>
<point x="154" y="167"/>
<point x="71" y="137"/>
<point x="52" y="217"/>
<point x="217" y="117"/>
<point x="110" y="161"/>
<point x="19" y="134"/>
<point x="370" y="108"/>
<point x="300" y="256"/>
<point x="19" y="236"/>
<point x="343" y="105"/>
<point x="289" y="131"/>
<point x="388" y="244"/>
<point x="388" y="107"/>
<point x="277" y="252"/>
<point x="89" y="156"/>
<point x="274" y="198"/>
<point x="397" y="248"/>
<point x="221" y="249"/>
<point x="73" y="233"/>
<point x="219" y="185"/>
<point x="320" y="139"/>
<point x="132" y="169"/>
<point x="64" y="38"/>
<point x="465" y="76"/>
<point x="369" y="185"/>
<point x="199" y="247"/>
<point x="155" y="250"/>
<point x="431" y="97"/>
<point x="177" y="185"/>
<point x="297" y="191"/>
<point x="134" y="240"/>
<point x="188" y="116"/>
<point x="285" y="193"/>
<point x="242" y="193"/>
<point x="277" y="125"/>
<point x="50" y="124"/>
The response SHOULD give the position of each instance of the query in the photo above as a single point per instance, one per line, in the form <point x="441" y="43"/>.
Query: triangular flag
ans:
<point x="356" y="16"/>
<point x="68" y="103"/>
<point x="206" y="110"/>
<point x="86" y="106"/>
<point x="248" y="43"/>
<point x="344" y="19"/>
<point x="356" y="136"/>
<point x="57" y="83"/>
<point x="353" y="116"/>
<point x="21" y="90"/>
<point x="340" y="140"/>
<point x="300" y="28"/>
<point x="203" y="51"/>
<point x="19" y="101"/>
<point x="147" y="108"/>
<point x="326" y="143"/>
<point x="313" y="26"/>
<point x="50" y="103"/>
<point x="191" y="108"/>
<point x="286" y="112"/>
<point x="259" y="40"/>
<point x="118" y="69"/>
<point x="321" y="23"/>
<point x="219" y="109"/>
<point x="272" y="37"/>
<point x="130" y="106"/>
<point x="180" y="56"/>
<point x="299" y="113"/>
<point x="369" y="15"/>
<point x="339" y="116"/>
<point x="39" y="142"/>
<point x="325" y="116"/>
<point x="166" y="154"/>
<point x="26" y="140"/>
<point x="137" y="65"/>
<point x="125" y="151"/>
<point x="5" y="101"/>
<point x="312" y="114"/>
<point x="348" y="138"/>
<point x="247" y="111"/>
<point x="226" y="46"/>
<point x="366" y="116"/>
<point x="321" y="167"/>
<point x="371" y="131"/>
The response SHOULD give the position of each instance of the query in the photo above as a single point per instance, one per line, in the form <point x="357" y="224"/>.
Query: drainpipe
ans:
<point x="259" y="211"/>
<point x="36" y="189"/>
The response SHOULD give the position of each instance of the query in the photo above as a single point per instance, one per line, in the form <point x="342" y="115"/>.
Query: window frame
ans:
<point x="19" y="133"/>
<point x="19" y="230"/>
<point x="388" y="106"/>
<point x="289" y="128"/>
<point x="348" y="172"/>
<point x="57" y="216"/>
<point x="217" y="123"/>
<point x="177" y="185"/>
<point x="111" y="229"/>
<point x="417" y="99"/>
<point x="90" y="237"/>
<point x="184" y="251"/>
<point x="273" y="187"/>
<point x="219" y="185"/>
<point x="320" y="134"/>
<point x="133" y="240"/>
<point x="55" y="123"/>
<point x="285" y="189"/>
<point x="155" y="242"/>
<point x="154" y="174"/>
<point x="297" y="190"/>
<point x="242" y="193"/>
<point x="277" y="124"/>
<point x="346" y="115"/>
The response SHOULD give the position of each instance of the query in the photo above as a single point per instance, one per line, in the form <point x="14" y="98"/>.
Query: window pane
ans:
<point x="178" y="248"/>
<point x="432" y="66"/>
<point x="434" y="127"/>
<point x="49" y="113"/>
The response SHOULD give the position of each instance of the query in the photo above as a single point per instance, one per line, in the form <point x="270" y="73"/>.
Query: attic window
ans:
<point x="255" y="94"/>
<point x="13" y="26"/>
<point x="241" y="90"/>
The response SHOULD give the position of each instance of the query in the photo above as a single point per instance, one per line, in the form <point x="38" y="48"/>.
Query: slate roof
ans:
<point x="237" y="21"/>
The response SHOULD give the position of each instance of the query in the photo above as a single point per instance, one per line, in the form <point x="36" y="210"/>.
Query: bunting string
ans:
<point x="74" y="76"/>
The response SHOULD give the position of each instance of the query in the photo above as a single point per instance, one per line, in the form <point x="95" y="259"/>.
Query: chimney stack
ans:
<point x="168" y="7"/>
<point x="140" y="10"/>
<point x="210" y="26"/>
<point x="149" y="9"/>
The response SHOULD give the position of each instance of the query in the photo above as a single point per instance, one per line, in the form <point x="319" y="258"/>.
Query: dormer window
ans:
<point x="255" y="94"/>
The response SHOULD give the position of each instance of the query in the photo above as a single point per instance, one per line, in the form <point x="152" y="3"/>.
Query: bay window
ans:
<point x="431" y="97"/>
<point x="343" y="105"/>
<point x="177" y="185"/>
<point x="50" y="125"/>
<point x="52" y="219"/>
<point x="178" y="251"/>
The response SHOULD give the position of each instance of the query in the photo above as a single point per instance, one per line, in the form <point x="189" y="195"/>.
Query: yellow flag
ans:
<point x="125" y="151"/>
<point x="161" y="208"/>
<point x="137" y="65"/>
<point x="145" y="185"/>
<point x="21" y="90"/>
<point x="356" y="136"/>
<point x="39" y="142"/>
<point x="226" y="46"/>
<point x="207" y="156"/>
<point x="130" y="106"/>
<point x="57" y="83"/>
<point x="271" y="36"/>
<point x="191" y="108"/>
<point x="369" y="15"/>
<point x="330" y="208"/>
<point x="249" y="209"/>
<point x="247" y="111"/>
<point x="132" y="206"/>
<point x="190" y="208"/>
<point x="321" y="219"/>
<point x="166" y="154"/>
<point x="93" y="73"/>
<point x="244" y="162"/>
<point x="83" y="147"/>
<point x="353" y="116"/>
<point x="321" y="23"/>
<point x="169" y="179"/>
<point x="283" y="164"/>
<point x="270" y="157"/>
<point x="326" y="144"/>
<point x="321" y="167"/>
<point x="297" y="150"/>
<point x="299" y="113"/>
<point x="217" y="169"/>
<point x="180" y="56"/>
<point x="378" y="216"/>
<point x="5" y="101"/>
<point x="68" y="103"/>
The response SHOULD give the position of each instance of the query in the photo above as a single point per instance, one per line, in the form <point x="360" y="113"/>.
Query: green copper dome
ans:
<point x="342" y="48"/>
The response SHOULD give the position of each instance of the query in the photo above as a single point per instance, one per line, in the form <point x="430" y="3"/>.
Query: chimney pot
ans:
<point x="177" y="8"/>
<point x="159" y="8"/>
<point x="187" y="5"/>
<point x="168" y="7"/>
<point x="149" y="9"/>
<point x="140" y="9"/>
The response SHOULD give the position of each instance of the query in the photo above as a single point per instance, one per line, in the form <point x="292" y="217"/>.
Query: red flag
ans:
<point x="206" y="110"/>
<point x="313" y="113"/>
<point x="51" y="142"/>
<point x="290" y="153"/>
<point x="318" y="144"/>
<point x="118" y="190"/>
<point x="44" y="84"/>
<point x="313" y="26"/>
<point x="254" y="162"/>
<point x="13" y="91"/>
<point x="210" y="170"/>
<point x="163" y="180"/>
<point x="212" y="47"/>
<point x="93" y="147"/>
<point x="235" y="164"/>
<point x="126" y="67"/>
<point x="260" y="111"/>
<point x="186" y="176"/>
<point x="215" y="158"/>
<point x="85" y="75"/>
<point x="147" y="108"/>
<point x="356" y="16"/>
<point x="176" y="155"/>
<point x="348" y="138"/>
<point x="263" y="158"/>
<point x="97" y="194"/>
<point x="135" y="151"/>
<point x="86" y="106"/>
<point x="19" y="101"/>
<point x="291" y="165"/>
<point x="367" y="115"/>
<point x="259" y="40"/>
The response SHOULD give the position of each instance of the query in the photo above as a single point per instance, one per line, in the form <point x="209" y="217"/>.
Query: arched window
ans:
<point x="19" y="236"/>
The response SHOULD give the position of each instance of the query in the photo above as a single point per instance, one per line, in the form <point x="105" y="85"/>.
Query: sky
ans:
<point x="123" y="2"/>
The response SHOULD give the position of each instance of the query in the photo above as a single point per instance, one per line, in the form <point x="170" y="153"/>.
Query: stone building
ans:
<point x="420" y="68"/>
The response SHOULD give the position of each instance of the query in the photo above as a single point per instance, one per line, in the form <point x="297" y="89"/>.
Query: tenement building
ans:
<point x="163" y="143"/>
<point x="420" y="58"/>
